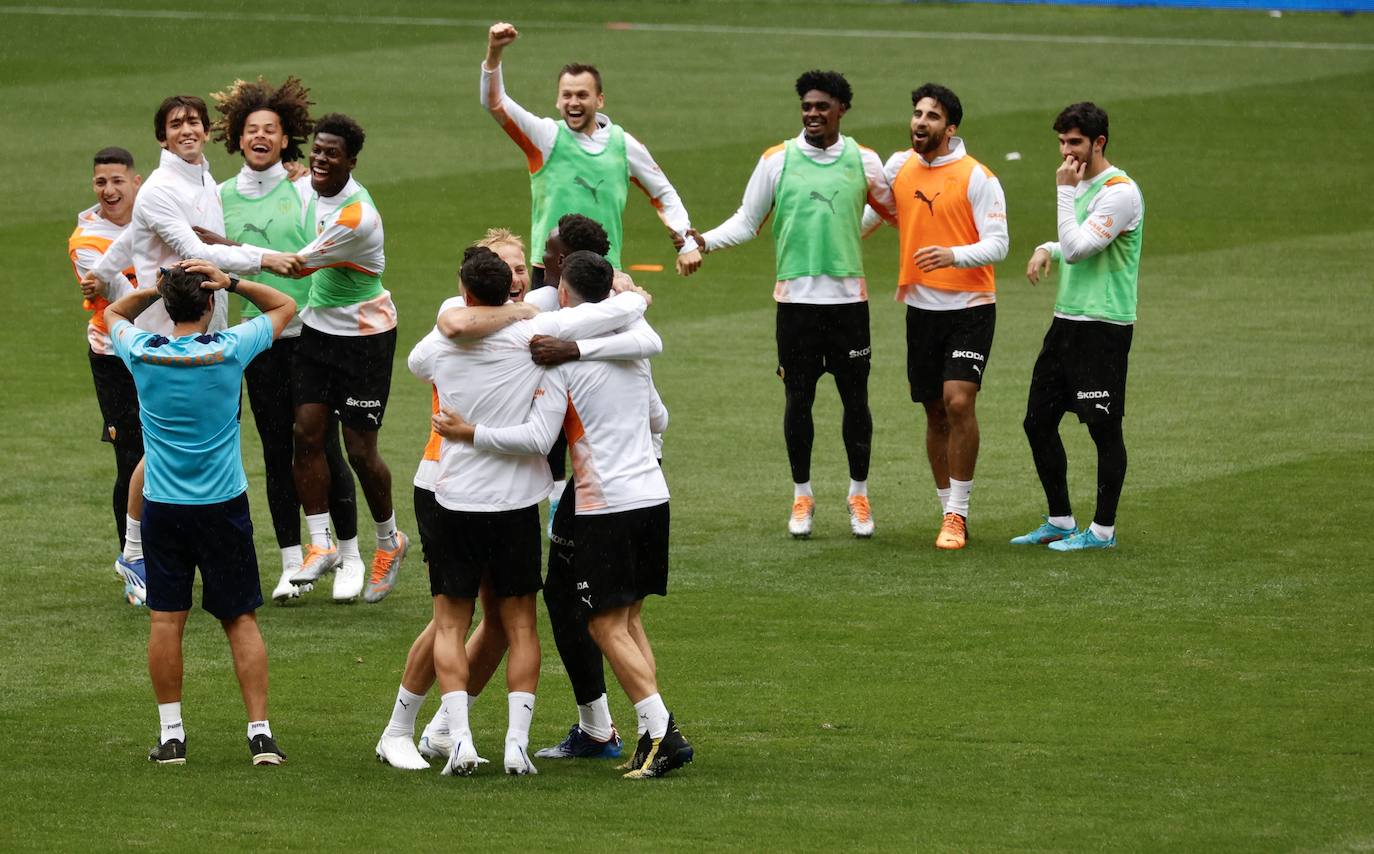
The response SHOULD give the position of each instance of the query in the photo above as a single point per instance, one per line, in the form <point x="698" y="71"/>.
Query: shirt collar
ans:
<point x="808" y="148"/>
<point x="956" y="151"/>
<point x="349" y="189"/>
<point x="264" y="181"/>
<point x="197" y="173"/>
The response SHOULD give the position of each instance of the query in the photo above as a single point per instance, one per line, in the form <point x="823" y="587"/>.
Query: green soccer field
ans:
<point x="1206" y="686"/>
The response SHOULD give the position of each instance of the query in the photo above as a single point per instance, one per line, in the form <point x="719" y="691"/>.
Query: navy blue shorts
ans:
<point x="218" y="538"/>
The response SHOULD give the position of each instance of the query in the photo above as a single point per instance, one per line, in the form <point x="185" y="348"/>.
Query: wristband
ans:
<point x="233" y="284"/>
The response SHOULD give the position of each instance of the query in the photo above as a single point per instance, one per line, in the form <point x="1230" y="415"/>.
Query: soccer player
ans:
<point x="621" y="522"/>
<point x="115" y="184"/>
<point x="953" y="221"/>
<point x="582" y="164"/>
<point x="267" y="124"/>
<point x="488" y="515"/>
<point x="343" y="362"/>
<point x="1082" y="365"/>
<point x="196" y="498"/>
<point x="179" y="195"/>
<point x="822" y="296"/>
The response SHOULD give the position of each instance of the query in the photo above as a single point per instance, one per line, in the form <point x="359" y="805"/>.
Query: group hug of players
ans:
<point x="533" y="358"/>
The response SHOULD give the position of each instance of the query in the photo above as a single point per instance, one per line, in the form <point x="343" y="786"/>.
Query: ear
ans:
<point x="138" y="181"/>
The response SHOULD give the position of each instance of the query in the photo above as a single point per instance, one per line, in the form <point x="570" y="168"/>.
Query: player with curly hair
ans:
<point x="267" y="125"/>
<point x="822" y="295"/>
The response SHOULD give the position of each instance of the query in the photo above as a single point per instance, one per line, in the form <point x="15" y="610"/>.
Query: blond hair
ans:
<point x="501" y="236"/>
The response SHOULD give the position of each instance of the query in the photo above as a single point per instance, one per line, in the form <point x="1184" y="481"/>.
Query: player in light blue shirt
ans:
<point x="195" y="491"/>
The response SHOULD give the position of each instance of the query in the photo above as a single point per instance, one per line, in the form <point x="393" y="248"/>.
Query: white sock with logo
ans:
<point x="1103" y="532"/>
<point x="169" y="714"/>
<point x="386" y="534"/>
<point x="291" y="558"/>
<point x="1065" y="522"/>
<point x="521" y="704"/>
<point x="259" y="728"/>
<point x="958" y="496"/>
<point x="595" y="718"/>
<point x="858" y="487"/>
<point x="943" y="495"/>
<point x="318" y="526"/>
<point x="403" y="713"/>
<point x="652" y="716"/>
<point x="133" y="539"/>
<point x="800" y="489"/>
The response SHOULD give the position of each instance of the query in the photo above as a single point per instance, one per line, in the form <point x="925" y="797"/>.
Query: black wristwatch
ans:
<point x="233" y="284"/>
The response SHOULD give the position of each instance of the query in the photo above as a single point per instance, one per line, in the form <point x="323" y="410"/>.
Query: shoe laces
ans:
<point x="858" y="505"/>
<point x="954" y="523"/>
<point x="801" y="507"/>
<point x="313" y="551"/>
<point x="381" y="563"/>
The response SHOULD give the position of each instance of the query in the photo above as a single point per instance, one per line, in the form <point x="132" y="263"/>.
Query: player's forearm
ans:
<point x="130" y="306"/>
<point x="265" y="297"/>
<point x="640" y="341"/>
<point x="1077" y="242"/>
<point x="592" y="318"/>
<point x="478" y="321"/>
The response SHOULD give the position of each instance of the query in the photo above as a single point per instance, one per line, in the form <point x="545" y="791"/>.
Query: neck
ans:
<point x="823" y="141"/>
<point x="942" y="151"/>
<point x="118" y="219"/>
<point x="191" y="327"/>
<point x="1096" y="167"/>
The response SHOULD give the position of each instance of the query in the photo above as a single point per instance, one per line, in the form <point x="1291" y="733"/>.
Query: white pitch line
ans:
<point x="713" y="29"/>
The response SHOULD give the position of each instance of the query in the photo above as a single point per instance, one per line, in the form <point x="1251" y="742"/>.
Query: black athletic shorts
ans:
<point x="621" y="557"/>
<point x="118" y="399"/>
<point x="351" y="374"/>
<point x="947" y="345"/>
<point x="819" y="339"/>
<point x="1081" y="369"/>
<point x="501" y="546"/>
<point x="426" y="519"/>
<point x="217" y="538"/>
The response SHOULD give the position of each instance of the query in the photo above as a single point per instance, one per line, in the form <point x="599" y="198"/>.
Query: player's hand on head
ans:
<point x="930" y="258"/>
<point x="215" y="278"/>
<point x="1039" y="266"/>
<point x="689" y="263"/>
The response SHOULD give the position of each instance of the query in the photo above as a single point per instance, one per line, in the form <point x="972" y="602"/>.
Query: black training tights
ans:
<point x="580" y="654"/>
<point x="1052" y="465"/>
<point x="799" y="430"/>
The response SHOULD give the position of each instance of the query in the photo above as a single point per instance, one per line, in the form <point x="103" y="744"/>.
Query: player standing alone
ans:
<point x="1082" y="365"/>
<point x="815" y="186"/>
<point x="953" y="220"/>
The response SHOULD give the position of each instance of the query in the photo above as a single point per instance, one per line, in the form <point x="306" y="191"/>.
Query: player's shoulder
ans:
<point x="1120" y="185"/>
<point x="774" y="150"/>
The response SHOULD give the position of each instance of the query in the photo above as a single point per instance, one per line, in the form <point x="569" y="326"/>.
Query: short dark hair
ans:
<point x="1084" y="116"/>
<point x="182" y="294"/>
<point x="948" y="101"/>
<point x="485" y="276"/>
<point x="190" y="102"/>
<point x="342" y="126"/>
<point x="588" y="274"/>
<point x="114" y="154"/>
<point x="576" y="68"/>
<point x="579" y="232"/>
<point x="290" y="102"/>
<point x="831" y="83"/>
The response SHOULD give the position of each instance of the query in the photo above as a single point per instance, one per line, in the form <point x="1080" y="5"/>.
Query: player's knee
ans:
<point x="959" y="405"/>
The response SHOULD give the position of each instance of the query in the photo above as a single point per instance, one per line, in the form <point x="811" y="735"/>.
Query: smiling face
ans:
<point x="821" y="114"/>
<point x="514" y="257"/>
<point x="185" y="134"/>
<point x="115" y="186"/>
<point x="330" y="165"/>
<point x="931" y="131"/>
<point x="579" y="99"/>
<point x="263" y="140"/>
<point x="1076" y="144"/>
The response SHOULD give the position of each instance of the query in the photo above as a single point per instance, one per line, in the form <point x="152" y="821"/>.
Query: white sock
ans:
<point x="595" y="718"/>
<point x="1103" y="532"/>
<point x="1065" y="522"/>
<point x="557" y="492"/>
<point x="521" y="706"/>
<point x="438" y="724"/>
<point x="800" y="489"/>
<point x="958" y="496"/>
<point x="403" y="713"/>
<point x="259" y="728"/>
<point x="291" y="558"/>
<point x="943" y="495"/>
<point x="653" y="716"/>
<point x="318" y="526"/>
<point x="133" y="539"/>
<point x="858" y="487"/>
<point x="348" y="551"/>
<point x="456" y="710"/>
<point x="386" y="534"/>
<point x="169" y="714"/>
